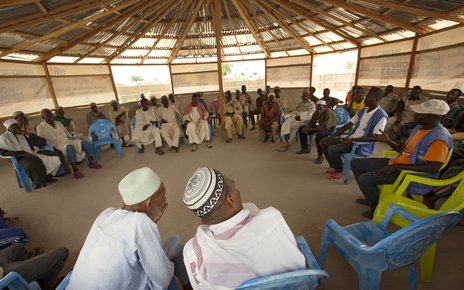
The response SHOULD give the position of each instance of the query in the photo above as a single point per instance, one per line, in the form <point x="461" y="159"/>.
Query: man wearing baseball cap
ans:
<point x="124" y="249"/>
<point x="425" y="151"/>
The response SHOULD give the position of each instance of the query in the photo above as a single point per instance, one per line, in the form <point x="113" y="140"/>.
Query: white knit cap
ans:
<point x="203" y="190"/>
<point x="321" y="102"/>
<point x="433" y="106"/>
<point x="139" y="185"/>
<point x="9" y="122"/>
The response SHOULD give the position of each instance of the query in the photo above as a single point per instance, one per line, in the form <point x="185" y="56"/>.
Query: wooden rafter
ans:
<point x="416" y="11"/>
<point x="245" y="17"/>
<point x="114" y="35"/>
<point x="142" y="30"/>
<point x="67" y="28"/>
<point x="263" y="25"/>
<point x="117" y="18"/>
<point x="15" y="3"/>
<point x="320" y="11"/>
<point x="297" y="10"/>
<point x="314" y="35"/>
<point x="166" y="28"/>
<point x="55" y="14"/>
<point x="234" y="34"/>
<point x="270" y="13"/>
<point x="185" y="30"/>
<point x="428" y="20"/>
<point x="41" y="7"/>
<point x="375" y="15"/>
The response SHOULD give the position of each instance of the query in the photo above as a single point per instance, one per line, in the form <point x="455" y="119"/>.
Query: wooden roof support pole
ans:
<point x="172" y="82"/>
<point x="416" y="11"/>
<point x="411" y="61"/>
<point x="246" y="18"/>
<point x="356" y="76"/>
<point x="311" y="70"/>
<point x="375" y="15"/>
<point x="270" y="13"/>
<point x="218" y="33"/>
<point x="185" y="30"/>
<point x="113" y="84"/>
<point x="50" y="84"/>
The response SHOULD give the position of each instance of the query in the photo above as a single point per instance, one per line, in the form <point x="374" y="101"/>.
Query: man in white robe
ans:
<point x="302" y="113"/>
<point x="170" y="129"/>
<point x="120" y="118"/>
<point x="195" y="121"/>
<point x="74" y="149"/>
<point x="123" y="249"/>
<point x="145" y="131"/>
<point x="233" y="118"/>
<point x="235" y="242"/>
<point x="176" y="103"/>
<point x="39" y="167"/>
<point x="23" y="121"/>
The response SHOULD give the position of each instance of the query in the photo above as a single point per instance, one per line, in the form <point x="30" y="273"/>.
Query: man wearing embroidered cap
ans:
<point x="425" y="151"/>
<point x="23" y="121"/>
<point x="236" y="242"/>
<point x="124" y="249"/>
<point x="321" y="124"/>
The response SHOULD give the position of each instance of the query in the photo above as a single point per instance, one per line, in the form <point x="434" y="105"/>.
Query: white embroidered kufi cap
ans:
<point x="139" y="185"/>
<point x="321" y="102"/>
<point x="433" y="106"/>
<point x="203" y="190"/>
<point x="9" y="122"/>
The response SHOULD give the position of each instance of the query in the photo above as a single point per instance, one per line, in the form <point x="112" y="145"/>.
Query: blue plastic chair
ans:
<point x="301" y="279"/>
<point x="102" y="128"/>
<point x="343" y="117"/>
<point x="371" y="249"/>
<point x="21" y="176"/>
<point x="12" y="235"/>
<point x="65" y="282"/>
<point x="347" y="157"/>
<point x="14" y="281"/>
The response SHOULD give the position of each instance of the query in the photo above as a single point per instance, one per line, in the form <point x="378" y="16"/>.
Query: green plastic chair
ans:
<point x="455" y="203"/>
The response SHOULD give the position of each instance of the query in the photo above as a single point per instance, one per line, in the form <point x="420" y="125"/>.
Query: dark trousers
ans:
<point x="35" y="169"/>
<point x="43" y="268"/>
<point x="405" y="129"/>
<point x="305" y="145"/>
<point x="333" y="152"/>
<point x="364" y="173"/>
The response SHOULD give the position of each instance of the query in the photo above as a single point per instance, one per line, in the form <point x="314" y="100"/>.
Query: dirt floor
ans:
<point x="62" y="213"/>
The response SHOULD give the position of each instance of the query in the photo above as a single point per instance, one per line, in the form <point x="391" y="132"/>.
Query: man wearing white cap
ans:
<point x="23" y="121"/>
<point x="119" y="116"/>
<point x="425" y="151"/>
<point x="169" y="118"/>
<point x="25" y="146"/>
<point x="321" y="124"/>
<point x="123" y="249"/>
<point x="302" y="113"/>
<point x="235" y="242"/>
<point x="145" y="131"/>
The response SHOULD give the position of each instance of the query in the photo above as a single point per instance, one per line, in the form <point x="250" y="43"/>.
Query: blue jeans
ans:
<point x="364" y="172"/>
<point x="86" y="147"/>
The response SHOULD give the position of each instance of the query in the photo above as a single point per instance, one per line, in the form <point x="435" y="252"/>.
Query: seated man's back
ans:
<point x="246" y="244"/>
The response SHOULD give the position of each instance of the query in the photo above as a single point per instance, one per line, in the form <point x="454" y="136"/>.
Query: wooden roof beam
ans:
<point x="297" y="10"/>
<point x="245" y="17"/>
<point x="270" y="13"/>
<point x="144" y="29"/>
<point x="326" y="13"/>
<point x="140" y="6"/>
<point x="185" y="30"/>
<point x="416" y="11"/>
<point x="166" y="28"/>
<point x="67" y="28"/>
<point x="32" y="20"/>
<point x="376" y="15"/>
<point x="15" y="3"/>
<point x="41" y="7"/>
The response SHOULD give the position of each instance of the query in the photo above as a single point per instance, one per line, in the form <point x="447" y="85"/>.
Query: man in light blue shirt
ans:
<point x="124" y="249"/>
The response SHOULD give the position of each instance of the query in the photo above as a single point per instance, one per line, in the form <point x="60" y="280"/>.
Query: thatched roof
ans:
<point x="176" y="31"/>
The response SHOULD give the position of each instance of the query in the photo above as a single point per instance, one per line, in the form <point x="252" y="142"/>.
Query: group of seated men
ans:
<point x="233" y="243"/>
